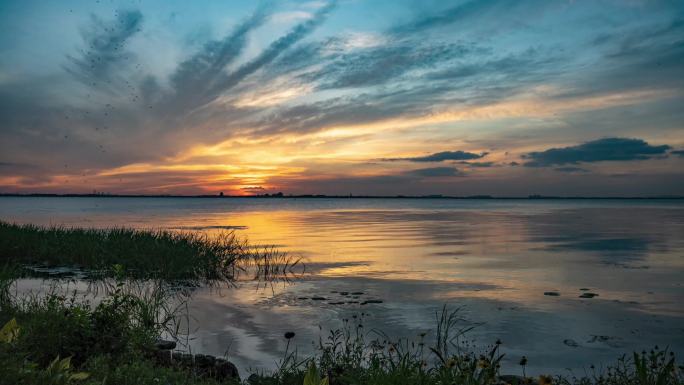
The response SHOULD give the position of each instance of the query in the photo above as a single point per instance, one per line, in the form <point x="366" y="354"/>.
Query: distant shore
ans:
<point x="322" y="196"/>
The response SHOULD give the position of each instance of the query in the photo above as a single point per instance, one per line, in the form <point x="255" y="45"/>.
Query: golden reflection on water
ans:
<point x="500" y="250"/>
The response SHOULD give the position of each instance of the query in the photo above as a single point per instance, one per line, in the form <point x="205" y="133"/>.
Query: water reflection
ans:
<point x="495" y="258"/>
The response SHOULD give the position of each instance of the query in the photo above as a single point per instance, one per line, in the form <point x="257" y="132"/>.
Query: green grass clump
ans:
<point x="58" y="339"/>
<point x="141" y="253"/>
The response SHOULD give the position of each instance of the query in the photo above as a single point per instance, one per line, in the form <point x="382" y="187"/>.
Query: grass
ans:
<point x="142" y="254"/>
<point x="64" y="339"/>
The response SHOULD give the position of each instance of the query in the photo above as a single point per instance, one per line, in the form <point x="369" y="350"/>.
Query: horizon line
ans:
<point x="319" y="196"/>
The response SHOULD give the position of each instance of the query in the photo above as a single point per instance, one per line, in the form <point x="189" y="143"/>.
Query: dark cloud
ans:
<point x="466" y="12"/>
<point x="105" y="54"/>
<point x="523" y="67"/>
<point x="647" y="57"/>
<point x="275" y="49"/>
<point x="478" y="164"/>
<point x="435" y="172"/>
<point x="607" y="149"/>
<point x="374" y="66"/>
<point x="198" y="73"/>
<point x="441" y="157"/>
<point x="571" y="169"/>
<point x="678" y="152"/>
<point x="253" y="189"/>
<point x="18" y="167"/>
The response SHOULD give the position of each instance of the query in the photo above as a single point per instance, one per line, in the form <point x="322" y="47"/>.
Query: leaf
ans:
<point x="64" y="364"/>
<point x="10" y="331"/>
<point x="53" y="364"/>
<point x="324" y="381"/>
<point x="78" y="376"/>
<point x="311" y="377"/>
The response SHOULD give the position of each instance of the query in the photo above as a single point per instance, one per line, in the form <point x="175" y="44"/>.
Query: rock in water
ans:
<point x="588" y="295"/>
<point x="371" y="301"/>
<point x="552" y="293"/>
<point x="165" y="344"/>
<point x="226" y="370"/>
<point x="204" y="361"/>
<point x="570" y="342"/>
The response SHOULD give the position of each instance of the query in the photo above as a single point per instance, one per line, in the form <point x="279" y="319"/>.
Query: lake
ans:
<point x="494" y="259"/>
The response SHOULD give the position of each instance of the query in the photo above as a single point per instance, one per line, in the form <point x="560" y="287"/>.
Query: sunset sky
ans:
<point x="374" y="97"/>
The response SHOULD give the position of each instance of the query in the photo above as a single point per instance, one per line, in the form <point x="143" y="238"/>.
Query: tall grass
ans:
<point x="145" y="254"/>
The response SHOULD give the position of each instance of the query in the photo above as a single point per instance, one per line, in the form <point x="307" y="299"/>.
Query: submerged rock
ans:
<point x="204" y="361"/>
<point x="371" y="301"/>
<point x="201" y="364"/>
<point x="317" y="298"/>
<point x="608" y="340"/>
<point x="165" y="344"/>
<point x="552" y="293"/>
<point x="588" y="295"/>
<point x="570" y="342"/>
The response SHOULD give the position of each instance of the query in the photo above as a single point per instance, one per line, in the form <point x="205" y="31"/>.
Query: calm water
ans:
<point x="493" y="258"/>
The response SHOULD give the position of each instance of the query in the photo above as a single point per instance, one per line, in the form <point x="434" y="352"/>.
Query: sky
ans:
<point x="363" y="97"/>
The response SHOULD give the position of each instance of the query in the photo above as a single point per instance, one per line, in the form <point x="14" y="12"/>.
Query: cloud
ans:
<point x="275" y="49"/>
<point x="253" y="189"/>
<point x="202" y="69"/>
<point x="571" y="169"/>
<point x="441" y="157"/>
<point x="105" y="51"/>
<point x="478" y="164"/>
<point x="464" y="12"/>
<point x="378" y="65"/>
<point x="607" y="149"/>
<point x="435" y="172"/>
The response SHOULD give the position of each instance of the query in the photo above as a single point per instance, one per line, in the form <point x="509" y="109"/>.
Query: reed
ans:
<point x="140" y="254"/>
